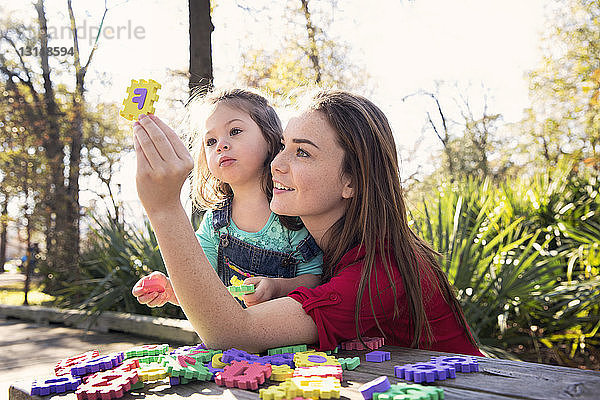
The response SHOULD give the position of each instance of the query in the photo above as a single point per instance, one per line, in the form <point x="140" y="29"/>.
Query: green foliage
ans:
<point x="511" y="250"/>
<point x="565" y="89"/>
<point x="116" y="258"/>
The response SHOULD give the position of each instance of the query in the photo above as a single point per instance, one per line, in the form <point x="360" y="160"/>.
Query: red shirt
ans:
<point x="331" y="305"/>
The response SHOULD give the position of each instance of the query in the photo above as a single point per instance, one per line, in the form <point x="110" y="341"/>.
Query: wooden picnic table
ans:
<point x="496" y="380"/>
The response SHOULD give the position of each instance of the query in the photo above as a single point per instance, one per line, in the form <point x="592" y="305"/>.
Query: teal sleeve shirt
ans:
<point x="273" y="236"/>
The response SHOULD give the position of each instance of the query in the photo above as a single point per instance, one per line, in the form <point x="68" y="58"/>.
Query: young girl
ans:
<point x="239" y="234"/>
<point x="339" y="173"/>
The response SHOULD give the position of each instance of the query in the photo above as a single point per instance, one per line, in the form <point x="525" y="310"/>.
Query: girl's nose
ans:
<point x="279" y="164"/>
<point x="222" y="146"/>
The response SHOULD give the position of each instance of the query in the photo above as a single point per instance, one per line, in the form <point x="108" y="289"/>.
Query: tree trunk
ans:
<point x="54" y="153"/>
<point x="313" y="51"/>
<point x="201" y="71"/>
<point x="201" y="27"/>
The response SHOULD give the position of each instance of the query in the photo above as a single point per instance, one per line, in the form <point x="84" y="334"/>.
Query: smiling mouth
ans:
<point x="279" y="186"/>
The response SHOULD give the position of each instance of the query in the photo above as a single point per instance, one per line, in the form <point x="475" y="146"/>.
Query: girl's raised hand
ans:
<point x="163" y="164"/>
<point x="154" y="290"/>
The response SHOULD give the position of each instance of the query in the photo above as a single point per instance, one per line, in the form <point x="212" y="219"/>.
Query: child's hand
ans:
<point x="265" y="289"/>
<point x="154" y="290"/>
<point x="163" y="164"/>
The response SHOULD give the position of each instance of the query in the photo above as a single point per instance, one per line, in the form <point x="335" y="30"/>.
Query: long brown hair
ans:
<point x="208" y="191"/>
<point x="376" y="215"/>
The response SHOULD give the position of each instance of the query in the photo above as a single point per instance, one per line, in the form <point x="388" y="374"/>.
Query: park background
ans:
<point x="494" y="106"/>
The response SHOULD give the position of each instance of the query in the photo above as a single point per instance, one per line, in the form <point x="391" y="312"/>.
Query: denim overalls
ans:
<point x="241" y="259"/>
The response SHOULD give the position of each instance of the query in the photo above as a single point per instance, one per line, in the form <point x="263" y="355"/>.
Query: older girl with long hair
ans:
<point x="338" y="171"/>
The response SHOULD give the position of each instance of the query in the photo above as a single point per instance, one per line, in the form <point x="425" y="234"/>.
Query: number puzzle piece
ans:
<point x="285" y="390"/>
<point x="239" y="291"/>
<point x="128" y="365"/>
<point x="318" y="388"/>
<point x="380" y="384"/>
<point x="147" y="350"/>
<point x="405" y="391"/>
<point x="63" y="367"/>
<point x="217" y="361"/>
<point x="54" y="385"/>
<point x="152" y="286"/>
<point x="107" y="385"/>
<point x="101" y="363"/>
<point x="278" y="359"/>
<point x="425" y="372"/>
<point x="187" y="349"/>
<point x="287" y="349"/>
<point x="212" y="370"/>
<point x="308" y="359"/>
<point x="243" y="375"/>
<point x="372" y="344"/>
<point x="152" y="373"/>
<point x="235" y="281"/>
<point x="459" y="363"/>
<point x="320" y="370"/>
<point x="141" y="96"/>
<point x="378" y="356"/>
<point x="281" y="372"/>
<point x="238" y="355"/>
<point x="349" y="363"/>
<point x="185" y="367"/>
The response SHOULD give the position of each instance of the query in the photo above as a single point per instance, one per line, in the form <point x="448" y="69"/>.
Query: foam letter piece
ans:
<point x="182" y="369"/>
<point x="460" y="363"/>
<point x="372" y="344"/>
<point x="217" y="361"/>
<point x="147" y="350"/>
<point x="237" y="355"/>
<point x="152" y="286"/>
<point x="54" y="385"/>
<point x="212" y="370"/>
<point x="63" y="367"/>
<point x="287" y="349"/>
<point x="97" y="364"/>
<point x="107" y="385"/>
<point x="243" y="375"/>
<point x="152" y="373"/>
<point x="405" y="391"/>
<point x="316" y="387"/>
<point x="281" y="372"/>
<point x="277" y="359"/>
<point x="378" y="356"/>
<point x="188" y="349"/>
<point x="141" y="96"/>
<point x="380" y="384"/>
<point x="308" y="359"/>
<point x="349" y="363"/>
<point x="128" y="365"/>
<point x="239" y="291"/>
<point x="425" y="372"/>
<point x="285" y="390"/>
<point x="320" y="370"/>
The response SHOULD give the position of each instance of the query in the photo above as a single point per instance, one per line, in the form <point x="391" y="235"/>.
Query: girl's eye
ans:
<point x="211" y="141"/>
<point x="301" y="153"/>
<point x="235" y="131"/>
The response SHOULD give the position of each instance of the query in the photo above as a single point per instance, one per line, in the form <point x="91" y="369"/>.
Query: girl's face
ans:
<point x="234" y="146"/>
<point x="307" y="175"/>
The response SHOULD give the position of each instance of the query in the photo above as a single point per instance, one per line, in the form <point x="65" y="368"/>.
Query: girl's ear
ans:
<point x="348" y="190"/>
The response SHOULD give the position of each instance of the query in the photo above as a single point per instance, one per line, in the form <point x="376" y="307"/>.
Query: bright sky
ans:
<point x="404" y="45"/>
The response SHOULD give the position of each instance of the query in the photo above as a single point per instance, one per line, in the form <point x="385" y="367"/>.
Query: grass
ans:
<point x="12" y="294"/>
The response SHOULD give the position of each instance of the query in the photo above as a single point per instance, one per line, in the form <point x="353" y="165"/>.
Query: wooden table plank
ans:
<point x="497" y="380"/>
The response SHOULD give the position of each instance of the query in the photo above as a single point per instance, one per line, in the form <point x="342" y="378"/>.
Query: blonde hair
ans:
<point x="207" y="192"/>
